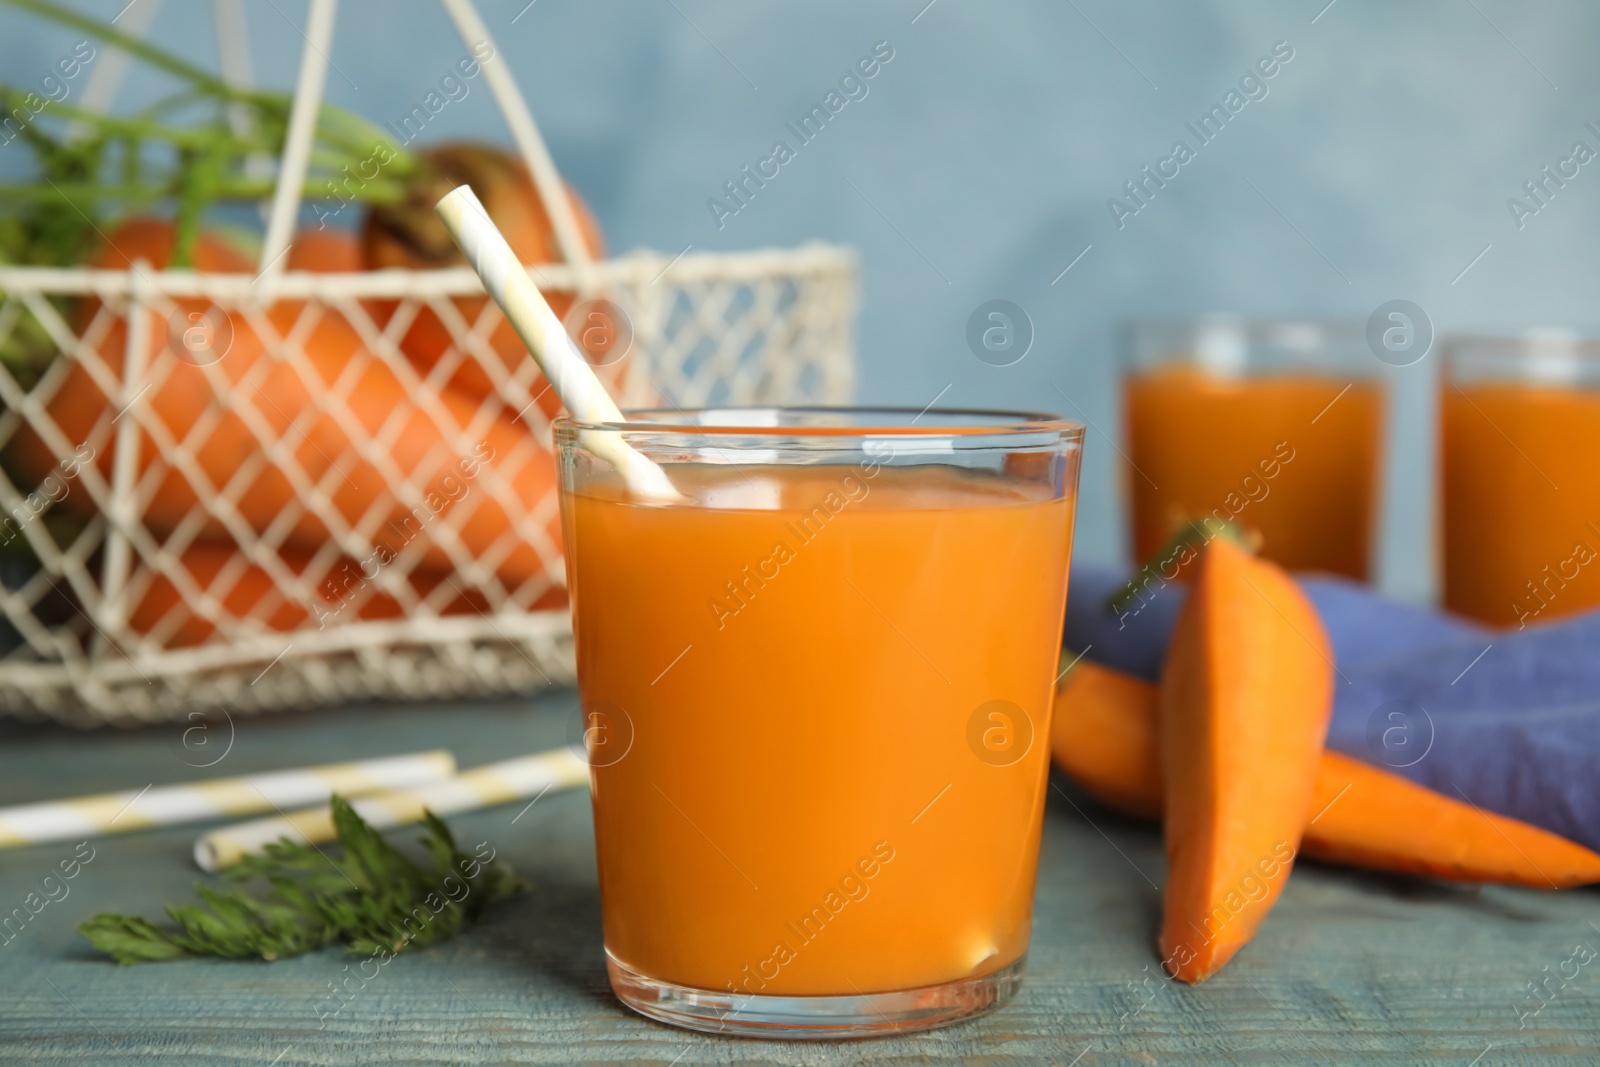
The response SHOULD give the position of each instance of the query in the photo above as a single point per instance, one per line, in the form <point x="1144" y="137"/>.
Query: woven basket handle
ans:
<point x="302" y="130"/>
<point x="525" y="132"/>
<point x="519" y="118"/>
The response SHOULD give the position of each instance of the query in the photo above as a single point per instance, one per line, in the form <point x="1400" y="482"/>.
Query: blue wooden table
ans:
<point x="1350" y="968"/>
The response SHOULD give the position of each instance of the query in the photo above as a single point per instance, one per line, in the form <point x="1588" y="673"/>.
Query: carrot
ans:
<point x="1246" y="694"/>
<point x="161" y="608"/>
<point x="344" y="594"/>
<point x="153" y="240"/>
<point x="1387" y="822"/>
<point x="410" y="235"/>
<point x="330" y="251"/>
<point x="219" y="409"/>
<point x="1104" y="736"/>
<point x="80" y="401"/>
<point x="325" y="251"/>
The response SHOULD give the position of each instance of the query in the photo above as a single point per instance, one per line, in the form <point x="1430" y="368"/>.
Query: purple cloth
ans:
<point x="1506" y="720"/>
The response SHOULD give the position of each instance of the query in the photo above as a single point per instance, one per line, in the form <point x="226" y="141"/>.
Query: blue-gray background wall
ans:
<point x="980" y="163"/>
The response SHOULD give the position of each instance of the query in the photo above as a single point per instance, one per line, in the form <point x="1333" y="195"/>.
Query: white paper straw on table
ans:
<point x="78" y="818"/>
<point x="480" y="787"/>
<point x="507" y="281"/>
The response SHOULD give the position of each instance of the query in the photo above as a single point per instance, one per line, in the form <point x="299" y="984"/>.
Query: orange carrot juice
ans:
<point x="1293" y="456"/>
<point x="1520" y="496"/>
<point x="834" y="684"/>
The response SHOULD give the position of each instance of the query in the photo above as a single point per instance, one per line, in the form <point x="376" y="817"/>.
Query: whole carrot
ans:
<point x="236" y="589"/>
<point x="1103" y="735"/>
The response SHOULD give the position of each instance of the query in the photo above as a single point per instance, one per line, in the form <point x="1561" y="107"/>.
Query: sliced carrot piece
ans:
<point x="1246" y="693"/>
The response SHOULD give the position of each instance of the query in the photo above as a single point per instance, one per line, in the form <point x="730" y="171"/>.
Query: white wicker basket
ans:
<point x="709" y="329"/>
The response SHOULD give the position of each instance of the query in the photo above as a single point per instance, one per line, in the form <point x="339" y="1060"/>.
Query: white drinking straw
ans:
<point x="481" y="787"/>
<point x="114" y="813"/>
<point x="507" y="281"/>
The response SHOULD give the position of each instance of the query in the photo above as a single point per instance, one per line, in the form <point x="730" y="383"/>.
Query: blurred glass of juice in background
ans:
<point x="821" y="689"/>
<point x="1274" y="424"/>
<point x="1520" y="476"/>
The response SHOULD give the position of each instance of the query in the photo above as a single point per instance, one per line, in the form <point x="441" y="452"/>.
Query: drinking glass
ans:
<point x="1519" y="456"/>
<point x="1273" y="424"/>
<point x="816" y="694"/>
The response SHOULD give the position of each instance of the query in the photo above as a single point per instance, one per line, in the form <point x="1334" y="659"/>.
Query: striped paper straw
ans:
<point x="481" y="787"/>
<point x="115" y="813"/>
<point x="570" y="375"/>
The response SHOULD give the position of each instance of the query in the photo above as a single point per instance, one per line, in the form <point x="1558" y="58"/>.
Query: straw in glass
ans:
<point x="507" y="281"/>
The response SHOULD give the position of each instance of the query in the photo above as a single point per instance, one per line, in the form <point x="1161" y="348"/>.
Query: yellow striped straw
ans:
<point x="481" y="787"/>
<point x="114" y="813"/>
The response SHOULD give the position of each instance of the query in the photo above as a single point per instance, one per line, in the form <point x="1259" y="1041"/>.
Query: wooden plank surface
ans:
<point x="1350" y="968"/>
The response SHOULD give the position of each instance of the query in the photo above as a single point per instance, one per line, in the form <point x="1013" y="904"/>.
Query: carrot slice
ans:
<point x="1103" y="734"/>
<point x="1246" y="694"/>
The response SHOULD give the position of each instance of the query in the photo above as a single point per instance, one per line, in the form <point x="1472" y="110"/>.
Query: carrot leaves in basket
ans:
<point x="373" y="899"/>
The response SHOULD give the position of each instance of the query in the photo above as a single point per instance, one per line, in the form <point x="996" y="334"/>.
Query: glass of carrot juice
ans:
<point x="1519" y="456"/>
<point x="816" y="694"/>
<point x="1273" y="424"/>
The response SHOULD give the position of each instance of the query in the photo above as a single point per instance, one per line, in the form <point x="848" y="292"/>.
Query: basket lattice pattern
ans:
<point x="114" y="610"/>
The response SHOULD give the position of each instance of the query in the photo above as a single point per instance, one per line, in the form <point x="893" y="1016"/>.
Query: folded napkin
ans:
<point x="1506" y="720"/>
